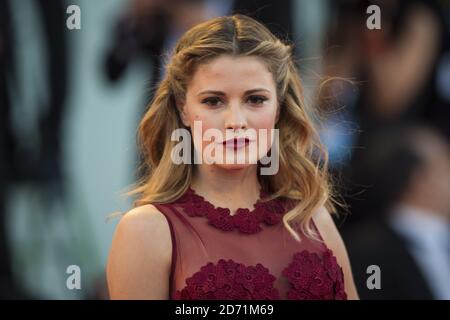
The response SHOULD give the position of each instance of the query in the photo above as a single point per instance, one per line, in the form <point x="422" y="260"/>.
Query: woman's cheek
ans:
<point x="265" y="128"/>
<point x="200" y="128"/>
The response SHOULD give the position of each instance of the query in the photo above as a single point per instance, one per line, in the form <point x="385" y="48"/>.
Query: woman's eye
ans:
<point x="256" y="99"/>
<point x="212" y="101"/>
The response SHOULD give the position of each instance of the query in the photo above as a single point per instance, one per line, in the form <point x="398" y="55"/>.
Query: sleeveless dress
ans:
<point x="245" y="255"/>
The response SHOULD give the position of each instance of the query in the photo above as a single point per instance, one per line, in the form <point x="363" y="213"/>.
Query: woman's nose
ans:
<point x="235" y="118"/>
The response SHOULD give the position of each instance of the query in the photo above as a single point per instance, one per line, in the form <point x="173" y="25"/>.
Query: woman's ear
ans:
<point x="181" y="110"/>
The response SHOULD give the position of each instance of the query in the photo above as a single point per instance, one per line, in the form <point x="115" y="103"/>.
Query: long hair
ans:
<point x="303" y="161"/>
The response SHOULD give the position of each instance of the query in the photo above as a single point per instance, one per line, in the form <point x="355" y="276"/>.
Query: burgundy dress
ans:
<point x="247" y="255"/>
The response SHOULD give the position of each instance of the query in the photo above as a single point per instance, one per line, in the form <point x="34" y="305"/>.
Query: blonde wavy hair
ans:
<point x="303" y="161"/>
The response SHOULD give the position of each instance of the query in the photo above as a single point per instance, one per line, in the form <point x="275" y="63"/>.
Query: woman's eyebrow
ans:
<point x="221" y="93"/>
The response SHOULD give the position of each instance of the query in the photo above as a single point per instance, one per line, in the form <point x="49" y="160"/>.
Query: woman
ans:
<point x="222" y="229"/>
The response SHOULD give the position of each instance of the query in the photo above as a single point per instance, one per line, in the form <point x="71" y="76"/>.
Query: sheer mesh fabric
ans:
<point x="245" y="255"/>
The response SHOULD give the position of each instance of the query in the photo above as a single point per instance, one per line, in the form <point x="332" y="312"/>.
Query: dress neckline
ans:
<point x="262" y="195"/>
<point x="244" y="220"/>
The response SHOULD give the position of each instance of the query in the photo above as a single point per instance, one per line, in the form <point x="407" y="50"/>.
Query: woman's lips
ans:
<point x="236" y="143"/>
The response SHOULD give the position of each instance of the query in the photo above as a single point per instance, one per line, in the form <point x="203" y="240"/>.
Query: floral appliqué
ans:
<point x="244" y="220"/>
<point x="313" y="278"/>
<point x="228" y="280"/>
<point x="309" y="276"/>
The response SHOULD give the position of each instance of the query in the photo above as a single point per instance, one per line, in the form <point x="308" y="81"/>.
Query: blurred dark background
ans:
<point x="71" y="99"/>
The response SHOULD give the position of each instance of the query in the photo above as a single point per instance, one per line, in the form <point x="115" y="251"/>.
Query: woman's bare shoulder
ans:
<point x="147" y="215"/>
<point x="145" y="221"/>
<point x="148" y="225"/>
<point x="140" y="256"/>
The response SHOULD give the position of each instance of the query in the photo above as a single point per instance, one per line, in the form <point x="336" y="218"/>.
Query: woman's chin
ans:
<point x="235" y="166"/>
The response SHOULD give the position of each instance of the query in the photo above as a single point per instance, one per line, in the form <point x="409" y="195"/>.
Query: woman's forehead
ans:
<point x="229" y="73"/>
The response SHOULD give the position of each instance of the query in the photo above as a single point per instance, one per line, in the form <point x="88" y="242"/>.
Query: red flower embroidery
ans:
<point x="310" y="278"/>
<point x="228" y="280"/>
<point x="220" y="218"/>
<point x="246" y="221"/>
<point x="313" y="278"/>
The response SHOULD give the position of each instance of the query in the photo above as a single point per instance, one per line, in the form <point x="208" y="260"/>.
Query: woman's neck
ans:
<point x="231" y="189"/>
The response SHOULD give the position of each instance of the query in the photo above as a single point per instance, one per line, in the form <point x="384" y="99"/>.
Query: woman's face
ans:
<point x="236" y="96"/>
